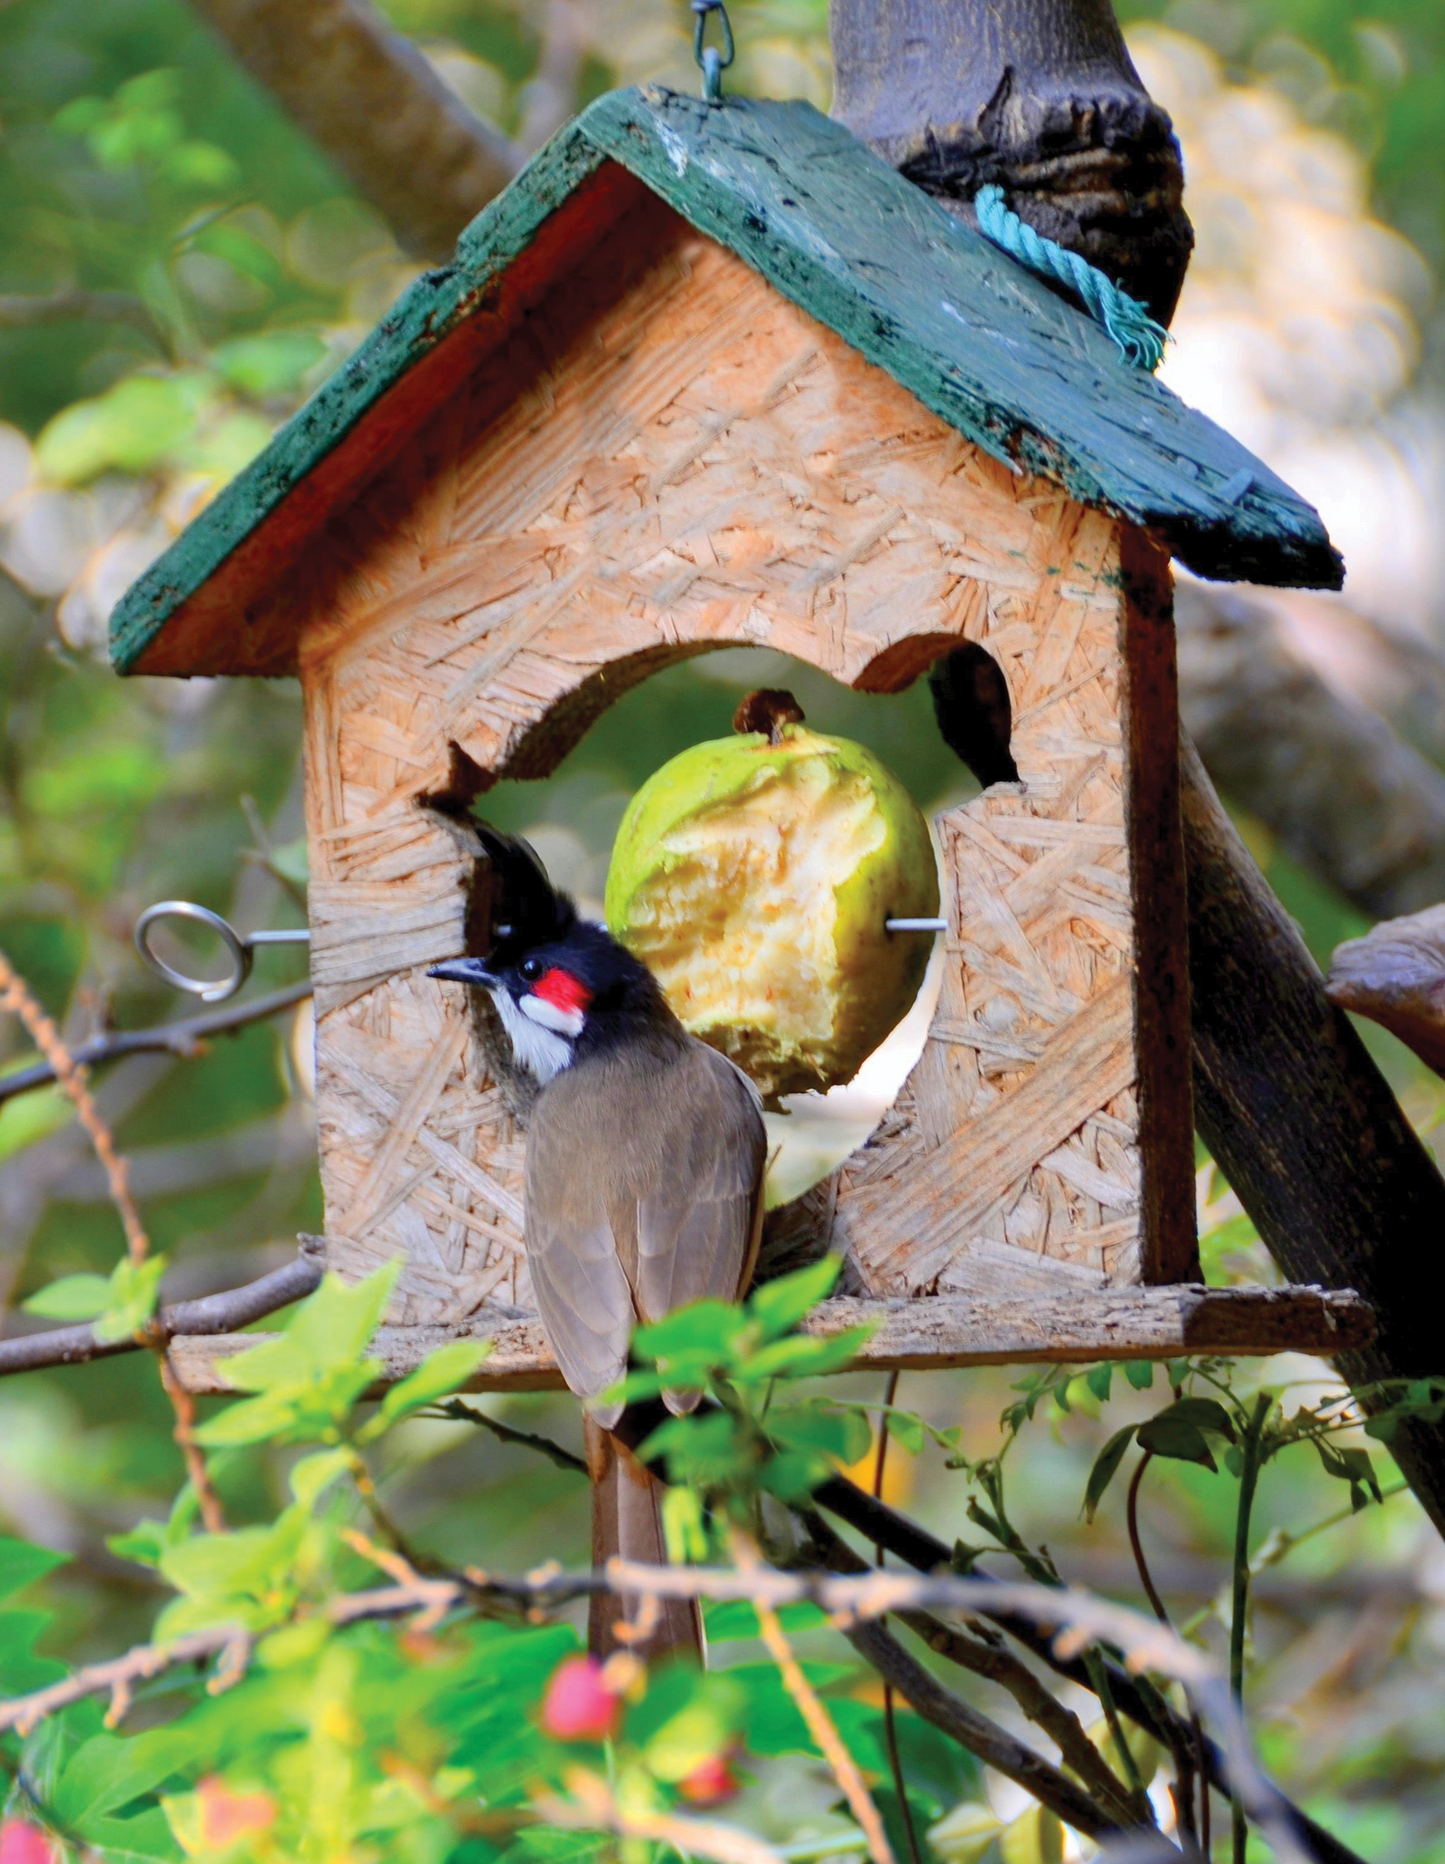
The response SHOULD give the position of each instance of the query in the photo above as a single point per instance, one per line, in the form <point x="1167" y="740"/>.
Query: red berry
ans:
<point x="225" y="1817"/>
<point x="578" y="1705"/>
<point x="711" y="1782"/>
<point x="23" y="1843"/>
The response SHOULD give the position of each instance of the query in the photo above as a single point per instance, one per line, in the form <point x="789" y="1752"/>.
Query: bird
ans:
<point x="645" y="1155"/>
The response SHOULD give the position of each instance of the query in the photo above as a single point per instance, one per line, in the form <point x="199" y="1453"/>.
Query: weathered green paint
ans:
<point x="977" y="339"/>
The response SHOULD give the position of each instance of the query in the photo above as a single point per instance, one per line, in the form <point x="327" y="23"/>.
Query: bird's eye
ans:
<point x="530" y="969"/>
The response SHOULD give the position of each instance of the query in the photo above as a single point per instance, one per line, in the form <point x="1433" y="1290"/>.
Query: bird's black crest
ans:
<point x="524" y="908"/>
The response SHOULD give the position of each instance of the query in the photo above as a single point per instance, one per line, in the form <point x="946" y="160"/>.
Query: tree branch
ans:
<point x="989" y="1657"/>
<point x="993" y="1745"/>
<point x="372" y="103"/>
<point x="1304" y="1125"/>
<point x="212" y="1313"/>
<point x="58" y="307"/>
<point x="1395" y="975"/>
<point x="1347" y="798"/>
<point x="880" y="1524"/>
<point x="184" y="1038"/>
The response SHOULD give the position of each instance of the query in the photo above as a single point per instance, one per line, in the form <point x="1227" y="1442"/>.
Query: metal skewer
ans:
<point x="915" y="925"/>
<point x="240" y="947"/>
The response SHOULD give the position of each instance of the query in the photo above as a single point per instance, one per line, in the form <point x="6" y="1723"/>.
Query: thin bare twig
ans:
<point x="463" y="1413"/>
<point x="926" y="1553"/>
<point x="213" y="1313"/>
<point x="185" y="1038"/>
<point x="17" y="997"/>
<point x="994" y="1745"/>
<point x="819" y="1722"/>
<point x="593" y="1805"/>
<point x="1183" y="1788"/>
<point x="988" y="1657"/>
<point x="890" y="1713"/>
<point x="1074" y="1619"/>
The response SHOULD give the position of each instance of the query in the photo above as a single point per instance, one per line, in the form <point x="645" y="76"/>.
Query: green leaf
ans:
<point x="1176" y="1439"/>
<point x="444" y="1372"/>
<point x="801" y="1357"/>
<point x="134" y="426"/>
<point x="1206" y="1414"/>
<point x="22" y="1563"/>
<point x="1100" y="1380"/>
<point x="1106" y="1467"/>
<point x="705" y="1330"/>
<point x="779" y="1305"/>
<point x="270" y="363"/>
<point x="313" y="1475"/>
<point x="135" y="1289"/>
<point x="329" y="1332"/>
<point x="1352" y="1466"/>
<point x="843" y="1435"/>
<point x="73" y="1297"/>
<point x="1140" y="1373"/>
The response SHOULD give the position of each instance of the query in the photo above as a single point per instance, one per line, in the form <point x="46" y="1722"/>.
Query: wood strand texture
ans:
<point x="701" y="465"/>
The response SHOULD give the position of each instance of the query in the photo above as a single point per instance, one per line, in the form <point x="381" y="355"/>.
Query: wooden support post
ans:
<point x="1303" y="1123"/>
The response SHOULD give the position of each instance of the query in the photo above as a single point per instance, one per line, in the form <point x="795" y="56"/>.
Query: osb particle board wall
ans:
<point x="701" y="464"/>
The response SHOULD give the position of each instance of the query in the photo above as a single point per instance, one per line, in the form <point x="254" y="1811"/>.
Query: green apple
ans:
<point x="753" y="875"/>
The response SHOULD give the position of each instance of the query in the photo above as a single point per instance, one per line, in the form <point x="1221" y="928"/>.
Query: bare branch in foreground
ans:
<point x="819" y="1722"/>
<point x="212" y="1313"/>
<point x="370" y="101"/>
<point x="184" y="1038"/>
<point x="1073" y="1620"/>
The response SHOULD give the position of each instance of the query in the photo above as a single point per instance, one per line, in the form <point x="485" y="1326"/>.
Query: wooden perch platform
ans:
<point x="1110" y="1323"/>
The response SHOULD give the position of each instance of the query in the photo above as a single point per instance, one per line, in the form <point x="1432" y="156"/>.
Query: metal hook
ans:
<point x="242" y="950"/>
<point x="712" y="62"/>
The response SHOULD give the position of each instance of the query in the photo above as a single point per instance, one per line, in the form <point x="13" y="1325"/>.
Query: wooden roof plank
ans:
<point x="980" y="341"/>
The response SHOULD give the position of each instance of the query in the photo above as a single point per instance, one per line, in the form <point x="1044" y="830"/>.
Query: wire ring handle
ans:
<point x="241" y="950"/>
<point x="712" y="61"/>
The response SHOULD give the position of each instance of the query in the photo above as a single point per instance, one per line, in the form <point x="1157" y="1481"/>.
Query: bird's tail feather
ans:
<point x="627" y="1521"/>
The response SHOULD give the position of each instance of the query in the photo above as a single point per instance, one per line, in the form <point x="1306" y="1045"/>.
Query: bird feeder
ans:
<point x="710" y="375"/>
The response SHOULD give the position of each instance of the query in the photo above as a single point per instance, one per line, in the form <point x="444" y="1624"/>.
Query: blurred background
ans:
<point x="180" y="266"/>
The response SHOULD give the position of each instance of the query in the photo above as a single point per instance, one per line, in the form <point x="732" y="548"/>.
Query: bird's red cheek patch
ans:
<point x="563" y="991"/>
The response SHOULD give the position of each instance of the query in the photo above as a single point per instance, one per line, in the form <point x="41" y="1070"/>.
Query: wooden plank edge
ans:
<point x="953" y="1330"/>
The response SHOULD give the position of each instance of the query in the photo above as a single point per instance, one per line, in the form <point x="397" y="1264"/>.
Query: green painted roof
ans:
<point x="976" y="338"/>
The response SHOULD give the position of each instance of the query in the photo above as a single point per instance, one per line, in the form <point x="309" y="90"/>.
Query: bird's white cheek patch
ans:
<point x="553" y="1016"/>
<point x="540" y="1050"/>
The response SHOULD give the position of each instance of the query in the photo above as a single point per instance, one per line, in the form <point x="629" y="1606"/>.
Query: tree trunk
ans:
<point x="1036" y="95"/>
<point x="367" y="97"/>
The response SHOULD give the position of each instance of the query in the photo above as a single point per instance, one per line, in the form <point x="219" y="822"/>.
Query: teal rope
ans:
<point x="1139" y="339"/>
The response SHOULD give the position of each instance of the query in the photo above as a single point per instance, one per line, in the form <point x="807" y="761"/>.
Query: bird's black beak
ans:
<point x="465" y="971"/>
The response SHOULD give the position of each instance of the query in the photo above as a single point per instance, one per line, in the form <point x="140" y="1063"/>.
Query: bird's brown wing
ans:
<point x="699" y="1222"/>
<point x="644" y="1190"/>
<point x="582" y="1293"/>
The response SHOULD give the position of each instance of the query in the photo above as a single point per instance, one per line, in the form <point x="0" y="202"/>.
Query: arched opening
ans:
<point x="571" y="817"/>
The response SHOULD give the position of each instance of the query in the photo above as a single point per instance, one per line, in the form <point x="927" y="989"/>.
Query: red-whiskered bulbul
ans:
<point x="645" y="1158"/>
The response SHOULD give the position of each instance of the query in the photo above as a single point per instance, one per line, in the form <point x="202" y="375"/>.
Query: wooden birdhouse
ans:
<point x="715" y="375"/>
